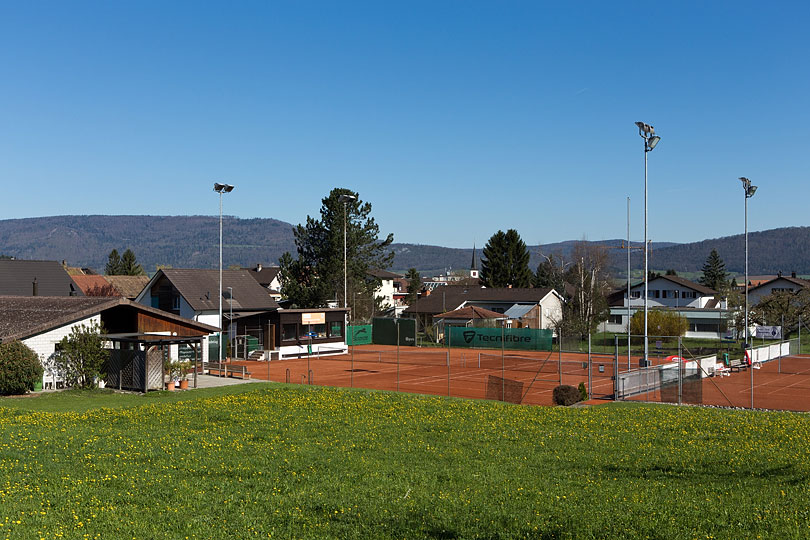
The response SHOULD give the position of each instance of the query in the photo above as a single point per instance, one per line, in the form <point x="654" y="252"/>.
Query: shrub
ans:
<point x="81" y="356"/>
<point x="20" y="368"/>
<point x="583" y="392"/>
<point x="565" y="395"/>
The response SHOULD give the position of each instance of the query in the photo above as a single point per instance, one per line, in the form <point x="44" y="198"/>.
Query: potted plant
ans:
<point x="171" y="369"/>
<point x="185" y="368"/>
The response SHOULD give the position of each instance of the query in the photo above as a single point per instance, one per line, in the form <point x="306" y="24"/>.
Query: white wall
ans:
<point x="386" y="291"/>
<point x="44" y="345"/>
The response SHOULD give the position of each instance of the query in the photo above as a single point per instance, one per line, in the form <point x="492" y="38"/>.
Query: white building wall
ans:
<point x="386" y="291"/>
<point x="44" y="345"/>
<point x="756" y="295"/>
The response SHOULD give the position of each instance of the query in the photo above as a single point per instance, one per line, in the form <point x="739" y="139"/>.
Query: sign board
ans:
<point x="769" y="332"/>
<point x="313" y="318"/>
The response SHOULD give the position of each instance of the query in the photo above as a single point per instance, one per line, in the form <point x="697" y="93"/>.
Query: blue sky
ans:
<point x="454" y="119"/>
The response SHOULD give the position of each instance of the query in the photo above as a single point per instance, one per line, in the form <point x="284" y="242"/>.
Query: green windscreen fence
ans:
<point x="492" y="338"/>
<point x="385" y="331"/>
<point x="359" y="335"/>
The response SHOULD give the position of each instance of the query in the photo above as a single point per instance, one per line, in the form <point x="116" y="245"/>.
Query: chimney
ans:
<point x="35" y="288"/>
<point x="259" y="267"/>
<point x="779" y="274"/>
<point x="793" y="274"/>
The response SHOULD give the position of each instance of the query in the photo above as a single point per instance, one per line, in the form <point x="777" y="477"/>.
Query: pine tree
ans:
<point x="113" y="267"/>
<point x="129" y="265"/>
<point x="316" y="276"/>
<point x="714" y="273"/>
<point x="550" y="274"/>
<point x="506" y="261"/>
<point x="414" y="286"/>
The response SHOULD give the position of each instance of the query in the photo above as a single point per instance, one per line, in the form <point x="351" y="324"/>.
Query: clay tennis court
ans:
<point x="526" y="377"/>
<point x="781" y="384"/>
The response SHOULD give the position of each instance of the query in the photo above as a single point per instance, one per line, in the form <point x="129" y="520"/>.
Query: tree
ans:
<point x="113" y="267"/>
<point x="316" y="276"/>
<point x="671" y="272"/>
<point x="782" y="305"/>
<point x="588" y="307"/>
<point x="414" y="286"/>
<point x="659" y="323"/>
<point x="20" y="368"/>
<point x="550" y="273"/>
<point x="102" y="290"/>
<point x="714" y="273"/>
<point x="129" y="265"/>
<point x="80" y="355"/>
<point x="506" y="261"/>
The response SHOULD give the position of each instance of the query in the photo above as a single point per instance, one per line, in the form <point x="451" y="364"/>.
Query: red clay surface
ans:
<point x="788" y="390"/>
<point x="527" y="377"/>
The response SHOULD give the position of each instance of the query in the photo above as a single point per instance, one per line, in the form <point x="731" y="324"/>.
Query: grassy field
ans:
<point x="263" y="460"/>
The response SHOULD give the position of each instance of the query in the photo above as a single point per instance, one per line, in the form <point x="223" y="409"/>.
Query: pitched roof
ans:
<point x="683" y="282"/>
<point x="128" y="286"/>
<point x="383" y="274"/>
<point x="94" y="285"/>
<point x="264" y="274"/>
<point x="801" y="283"/>
<point x="25" y="316"/>
<point x="451" y="296"/>
<point x="17" y="278"/>
<point x="470" y="312"/>
<point x="201" y="287"/>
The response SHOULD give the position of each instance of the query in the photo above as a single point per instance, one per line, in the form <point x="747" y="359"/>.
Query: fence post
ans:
<point x="351" y="371"/>
<point x="681" y="368"/>
<point x="615" y="368"/>
<point x="559" y="357"/>
<point x="590" y="374"/>
<point x="448" y="373"/>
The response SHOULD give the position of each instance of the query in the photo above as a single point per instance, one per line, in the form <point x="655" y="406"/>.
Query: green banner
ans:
<point x="493" y="338"/>
<point x="359" y="335"/>
<point x="386" y="330"/>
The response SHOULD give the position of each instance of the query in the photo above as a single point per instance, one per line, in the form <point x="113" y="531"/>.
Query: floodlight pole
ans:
<point x="628" y="283"/>
<point x="230" y="318"/>
<point x="345" y="198"/>
<point x="647" y="132"/>
<point x="221" y="188"/>
<point x="749" y="191"/>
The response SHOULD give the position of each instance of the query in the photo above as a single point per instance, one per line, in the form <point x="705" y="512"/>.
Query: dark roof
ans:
<point x="801" y="283"/>
<point x="17" y="278"/>
<point x="201" y="287"/>
<point x="264" y="274"/>
<point x="25" y="316"/>
<point x="383" y="274"/>
<point x="470" y="312"/>
<point x="451" y="297"/>
<point x="128" y="286"/>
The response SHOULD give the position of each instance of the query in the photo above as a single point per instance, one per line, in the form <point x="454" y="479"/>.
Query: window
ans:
<point x="289" y="332"/>
<point x="176" y="303"/>
<point x="318" y="329"/>
<point x="335" y="329"/>
<point x="615" y="319"/>
<point x="635" y="294"/>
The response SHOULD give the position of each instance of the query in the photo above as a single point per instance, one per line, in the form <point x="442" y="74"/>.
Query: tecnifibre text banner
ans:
<point x="493" y="338"/>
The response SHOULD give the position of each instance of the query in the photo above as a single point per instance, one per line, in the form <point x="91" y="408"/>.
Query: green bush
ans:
<point x="81" y="356"/>
<point x="583" y="392"/>
<point x="20" y="368"/>
<point x="565" y="395"/>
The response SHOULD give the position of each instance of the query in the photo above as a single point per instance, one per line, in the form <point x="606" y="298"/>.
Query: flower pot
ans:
<point x="184" y="384"/>
<point x="170" y="386"/>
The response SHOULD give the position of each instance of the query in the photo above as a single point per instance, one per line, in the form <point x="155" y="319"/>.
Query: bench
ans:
<point x="721" y="370"/>
<point x="227" y="370"/>
<point x="737" y="365"/>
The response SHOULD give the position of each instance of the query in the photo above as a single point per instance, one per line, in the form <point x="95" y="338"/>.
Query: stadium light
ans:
<point x="749" y="192"/>
<point x="221" y="188"/>
<point x="647" y="132"/>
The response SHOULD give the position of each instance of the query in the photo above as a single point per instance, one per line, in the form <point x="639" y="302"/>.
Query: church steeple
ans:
<point x="473" y="268"/>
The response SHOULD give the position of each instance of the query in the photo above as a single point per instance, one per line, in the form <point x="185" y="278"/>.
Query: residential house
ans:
<point x="706" y="314"/>
<point x="41" y="322"/>
<point x="779" y="283"/>
<point x="531" y="308"/>
<point x="268" y="277"/>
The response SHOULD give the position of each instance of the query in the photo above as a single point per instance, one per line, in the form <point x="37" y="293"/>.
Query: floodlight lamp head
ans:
<point x="222" y="188"/>
<point x="645" y="130"/>
<point x="750" y="191"/>
<point x="746" y="182"/>
<point x="347" y="198"/>
<point x="218" y="187"/>
<point x="652" y="142"/>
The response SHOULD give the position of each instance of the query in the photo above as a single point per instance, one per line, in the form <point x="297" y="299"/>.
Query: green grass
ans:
<point x="259" y="461"/>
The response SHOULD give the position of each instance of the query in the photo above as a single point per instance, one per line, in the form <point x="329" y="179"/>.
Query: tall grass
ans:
<point x="280" y="461"/>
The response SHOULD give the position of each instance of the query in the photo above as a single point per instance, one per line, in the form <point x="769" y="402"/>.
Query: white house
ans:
<point x="706" y="315"/>
<point x="778" y="284"/>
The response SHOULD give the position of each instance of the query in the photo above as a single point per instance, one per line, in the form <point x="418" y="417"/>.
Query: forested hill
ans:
<point x="193" y="242"/>
<point x="786" y="249"/>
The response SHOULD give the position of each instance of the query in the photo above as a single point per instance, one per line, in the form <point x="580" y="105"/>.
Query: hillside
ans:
<point x="193" y="242"/>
